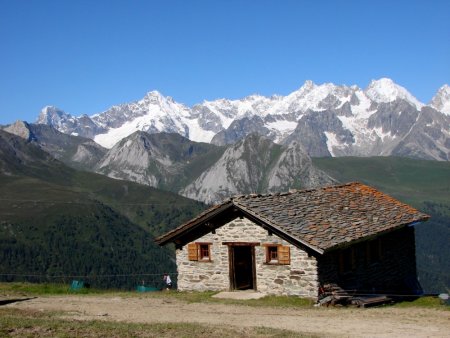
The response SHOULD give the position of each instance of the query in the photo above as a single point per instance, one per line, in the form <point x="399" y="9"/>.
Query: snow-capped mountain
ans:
<point x="327" y="119"/>
<point x="385" y="90"/>
<point x="441" y="101"/>
<point x="68" y="124"/>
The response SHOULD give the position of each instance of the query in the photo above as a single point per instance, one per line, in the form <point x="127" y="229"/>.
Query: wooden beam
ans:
<point x="241" y="243"/>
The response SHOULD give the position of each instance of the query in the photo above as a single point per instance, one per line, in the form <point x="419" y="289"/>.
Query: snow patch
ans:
<point x="385" y="90"/>
<point x="114" y="135"/>
<point x="441" y="101"/>
<point x="332" y="141"/>
<point x="283" y="126"/>
<point x="383" y="135"/>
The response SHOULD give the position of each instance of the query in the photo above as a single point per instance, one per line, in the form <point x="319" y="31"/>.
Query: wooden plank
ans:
<point x="254" y="268"/>
<point x="231" y="268"/>
<point x="192" y="252"/>
<point x="284" y="255"/>
<point x="241" y="243"/>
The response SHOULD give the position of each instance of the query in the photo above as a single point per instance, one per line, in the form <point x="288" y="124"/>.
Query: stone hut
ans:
<point x="292" y="243"/>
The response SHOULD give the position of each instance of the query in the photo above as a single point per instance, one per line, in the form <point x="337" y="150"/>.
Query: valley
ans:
<point x="67" y="199"/>
<point x="57" y="221"/>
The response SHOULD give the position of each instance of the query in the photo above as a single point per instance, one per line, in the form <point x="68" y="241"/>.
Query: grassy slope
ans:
<point x="52" y="229"/>
<point x="407" y="179"/>
<point x="423" y="184"/>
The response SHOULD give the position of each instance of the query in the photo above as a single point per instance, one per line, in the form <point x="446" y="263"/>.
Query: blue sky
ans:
<point x="85" y="56"/>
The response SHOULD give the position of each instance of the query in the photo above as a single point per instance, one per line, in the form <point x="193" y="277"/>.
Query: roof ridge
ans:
<point x="294" y="191"/>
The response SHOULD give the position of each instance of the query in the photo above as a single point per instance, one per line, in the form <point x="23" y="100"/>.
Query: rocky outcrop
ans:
<point x="294" y="169"/>
<point x="256" y="165"/>
<point x="21" y="129"/>
<point x="75" y="151"/>
<point x="166" y="161"/>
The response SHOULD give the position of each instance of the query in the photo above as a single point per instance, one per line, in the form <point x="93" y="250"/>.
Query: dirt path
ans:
<point x="379" y="322"/>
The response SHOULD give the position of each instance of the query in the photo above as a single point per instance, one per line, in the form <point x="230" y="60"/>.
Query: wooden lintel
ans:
<point x="241" y="243"/>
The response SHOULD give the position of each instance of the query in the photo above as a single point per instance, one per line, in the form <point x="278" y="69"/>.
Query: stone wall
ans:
<point x="297" y="278"/>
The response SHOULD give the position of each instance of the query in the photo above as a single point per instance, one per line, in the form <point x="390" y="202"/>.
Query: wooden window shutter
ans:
<point x="284" y="255"/>
<point x="192" y="252"/>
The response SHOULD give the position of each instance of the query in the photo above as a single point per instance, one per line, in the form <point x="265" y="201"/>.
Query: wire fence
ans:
<point x="106" y="281"/>
<point x="149" y="280"/>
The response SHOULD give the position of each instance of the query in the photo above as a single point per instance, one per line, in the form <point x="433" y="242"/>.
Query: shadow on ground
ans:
<point x="15" y="300"/>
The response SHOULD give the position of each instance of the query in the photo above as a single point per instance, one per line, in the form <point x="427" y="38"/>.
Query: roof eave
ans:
<point x="190" y="225"/>
<point x="375" y="235"/>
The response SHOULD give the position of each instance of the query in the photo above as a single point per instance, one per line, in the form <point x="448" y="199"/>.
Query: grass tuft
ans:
<point x="424" y="302"/>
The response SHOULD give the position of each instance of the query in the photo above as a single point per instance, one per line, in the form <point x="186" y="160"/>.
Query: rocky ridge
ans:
<point x="78" y="152"/>
<point x="256" y="165"/>
<point x="327" y="119"/>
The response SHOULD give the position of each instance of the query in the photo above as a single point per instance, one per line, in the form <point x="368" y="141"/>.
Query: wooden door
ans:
<point x="242" y="267"/>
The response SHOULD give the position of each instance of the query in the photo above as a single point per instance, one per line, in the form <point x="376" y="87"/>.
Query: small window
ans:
<point x="199" y="252"/>
<point x="272" y="254"/>
<point x="204" y="252"/>
<point x="277" y="254"/>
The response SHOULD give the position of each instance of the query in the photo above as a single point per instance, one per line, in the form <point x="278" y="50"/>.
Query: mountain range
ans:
<point x="57" y="220"/>
<point x="326" y="120"/>
<point x="210" y="152"/>
<point x="169" y="161"/>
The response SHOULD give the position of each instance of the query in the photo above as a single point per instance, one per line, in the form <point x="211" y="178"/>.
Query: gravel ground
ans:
<point x="340" y="322"/>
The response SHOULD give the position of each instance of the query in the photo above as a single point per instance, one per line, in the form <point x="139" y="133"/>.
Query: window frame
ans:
<point x="197" y="251"/>
<point x="281" y="252"/>
<point x="272" y="250"/>
<point x="202" y="249"/>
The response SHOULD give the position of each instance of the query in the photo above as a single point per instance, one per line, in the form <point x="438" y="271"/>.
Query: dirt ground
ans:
<point x="335" y="322"/>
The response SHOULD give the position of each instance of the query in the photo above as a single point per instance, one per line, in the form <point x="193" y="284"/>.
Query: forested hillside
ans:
<point x="423" y="184"/>
<point x="58" y="221"/>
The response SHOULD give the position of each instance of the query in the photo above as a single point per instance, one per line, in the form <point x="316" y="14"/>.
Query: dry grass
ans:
<point x="27" y="323"/>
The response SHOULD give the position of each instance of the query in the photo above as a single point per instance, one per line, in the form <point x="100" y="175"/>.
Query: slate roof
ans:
<point x="320" y="218"/>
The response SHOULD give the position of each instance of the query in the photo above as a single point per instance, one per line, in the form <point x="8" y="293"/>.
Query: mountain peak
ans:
<point x="51" y="114"/>
<point x="441" y="101"/>
<point x="48" y="109"/>
<point x="307" y="86"/>
<point x="153" y="93"/>
<point x="386" y="90"/>
<point x="21" y="129"/>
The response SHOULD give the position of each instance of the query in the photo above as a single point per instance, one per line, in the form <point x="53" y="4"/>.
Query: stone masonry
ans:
<point x="298" y="278"/>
